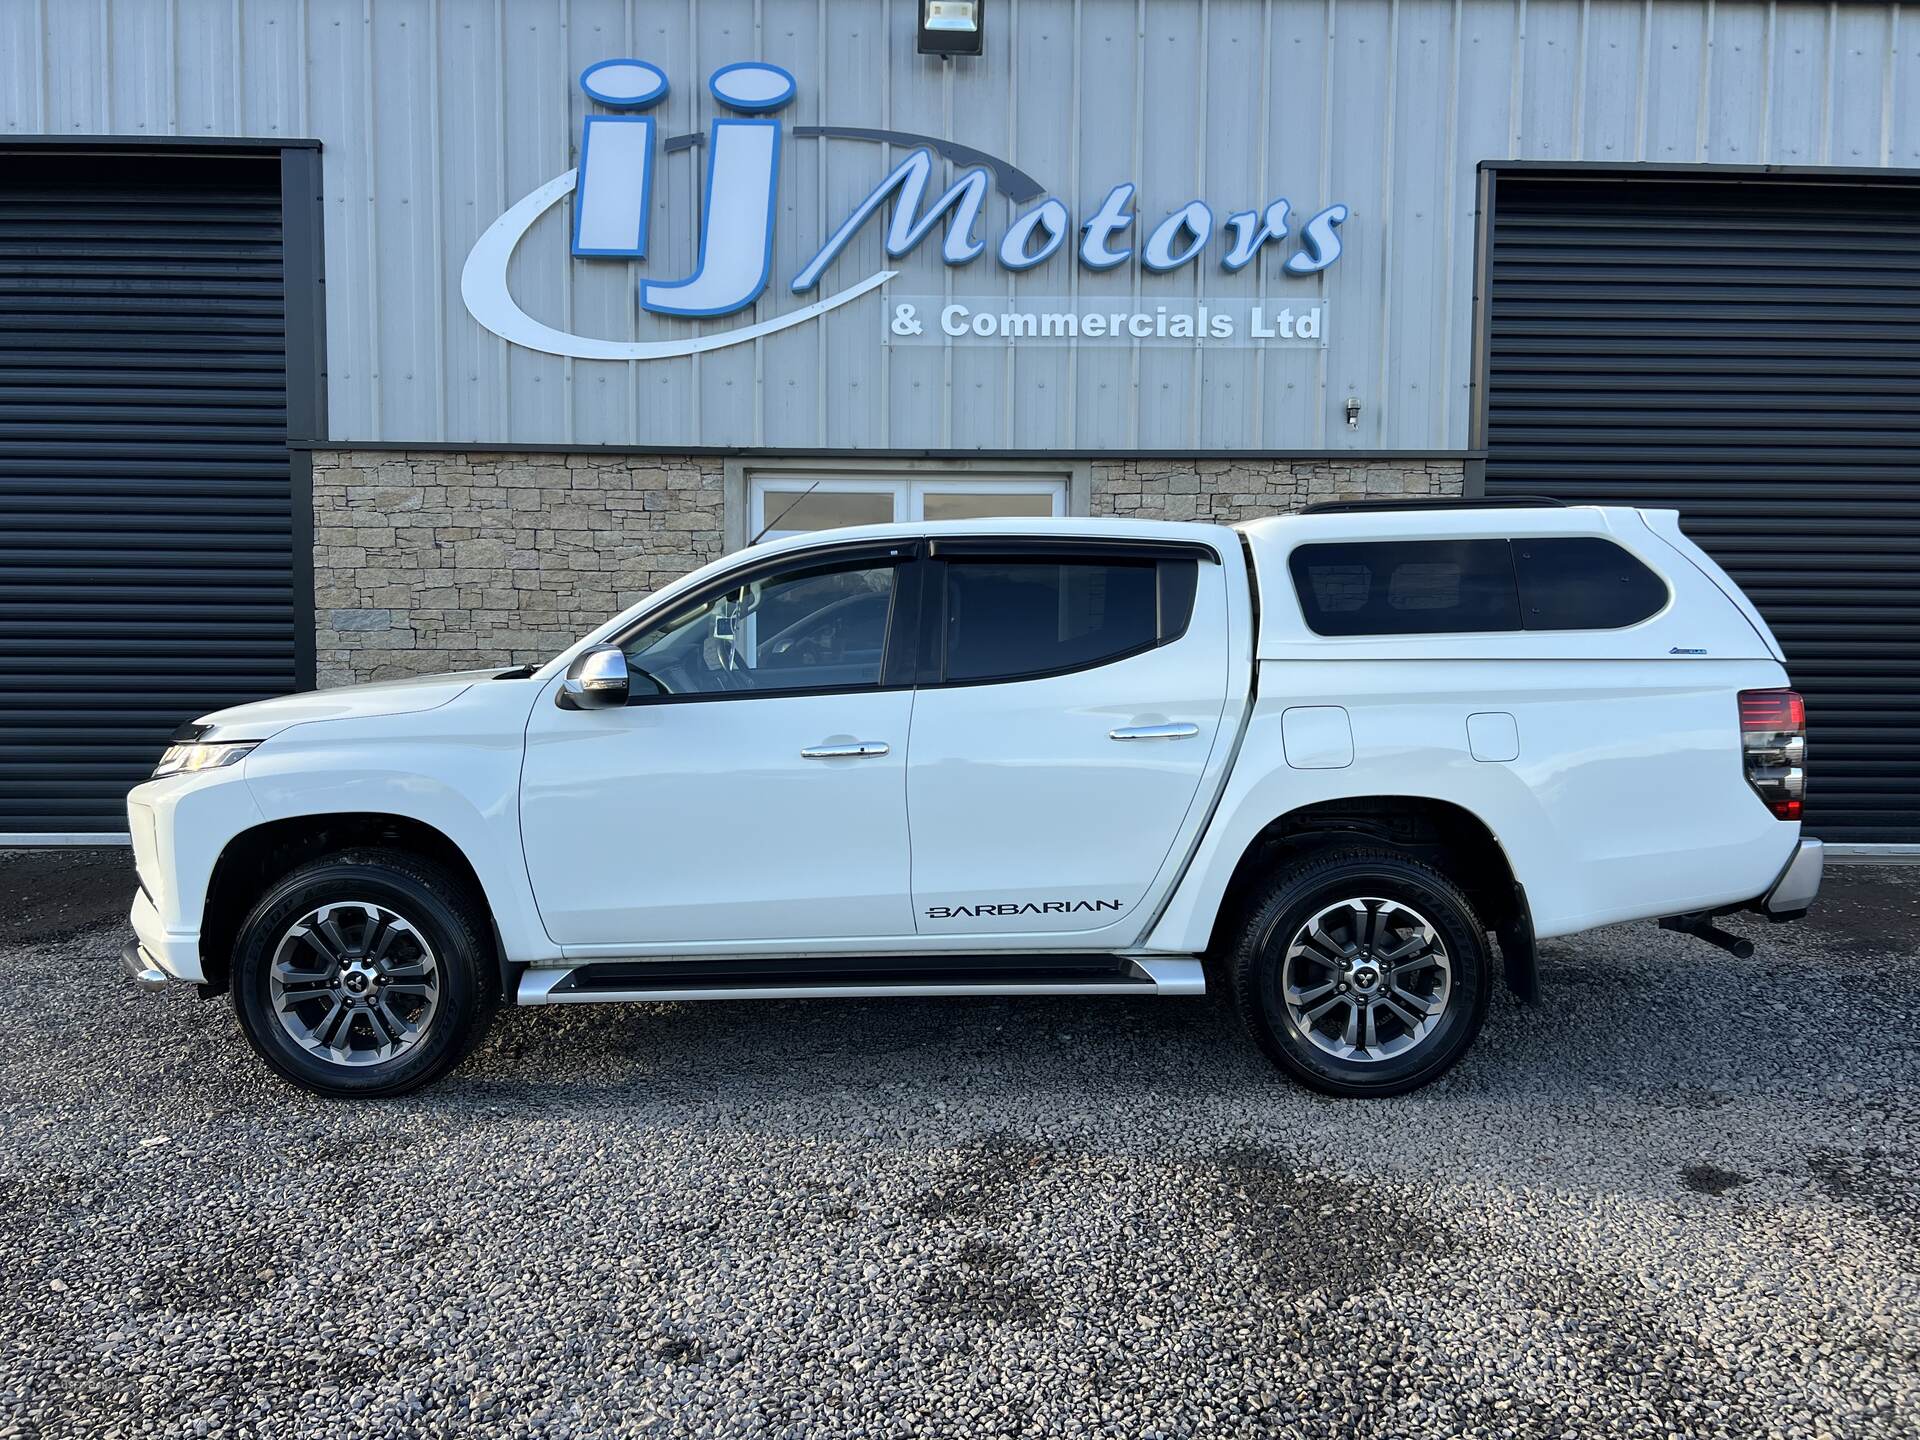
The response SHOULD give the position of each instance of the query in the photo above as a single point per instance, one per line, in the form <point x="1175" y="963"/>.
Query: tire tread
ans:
<point x="465" y="909"/>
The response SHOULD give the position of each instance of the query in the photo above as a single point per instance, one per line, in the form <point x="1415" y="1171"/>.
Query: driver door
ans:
<point x="753" y="789"/>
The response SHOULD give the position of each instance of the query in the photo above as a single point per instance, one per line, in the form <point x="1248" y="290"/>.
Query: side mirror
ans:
<point x="596" y="680"/>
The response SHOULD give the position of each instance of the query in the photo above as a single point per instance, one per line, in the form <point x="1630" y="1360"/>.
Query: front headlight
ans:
<point x="196" y="755"/>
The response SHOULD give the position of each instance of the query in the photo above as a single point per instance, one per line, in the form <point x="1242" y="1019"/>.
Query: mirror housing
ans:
<point x="596" y="680"/>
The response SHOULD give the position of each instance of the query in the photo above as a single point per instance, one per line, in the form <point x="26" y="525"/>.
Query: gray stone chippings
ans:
<point x="1644" y="1207"/>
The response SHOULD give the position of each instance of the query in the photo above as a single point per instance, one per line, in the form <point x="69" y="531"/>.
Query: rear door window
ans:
<point x="1015" y="617"/>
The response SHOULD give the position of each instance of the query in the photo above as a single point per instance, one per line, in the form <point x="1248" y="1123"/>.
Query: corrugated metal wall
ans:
<point x="436" y="114"/>
<point x="146" y="509"/>
<point x="1744" y="352"/>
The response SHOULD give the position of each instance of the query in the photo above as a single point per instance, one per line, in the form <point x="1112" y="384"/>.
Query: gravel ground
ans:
<point x="1680" y="1196"/>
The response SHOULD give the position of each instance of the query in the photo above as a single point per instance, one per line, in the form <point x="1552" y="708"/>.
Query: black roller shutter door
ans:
<point x="1745" y="349"/>
<point x="146" y="525"/>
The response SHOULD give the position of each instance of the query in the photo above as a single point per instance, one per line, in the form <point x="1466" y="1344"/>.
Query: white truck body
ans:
<point x="1106" y="810"/>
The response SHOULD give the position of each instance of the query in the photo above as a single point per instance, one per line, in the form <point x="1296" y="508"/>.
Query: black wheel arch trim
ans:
<point x="1519" y="955"/>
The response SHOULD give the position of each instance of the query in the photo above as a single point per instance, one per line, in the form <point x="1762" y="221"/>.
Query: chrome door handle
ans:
<point x="837" y="752"/>
<point x="1153" y="732"/>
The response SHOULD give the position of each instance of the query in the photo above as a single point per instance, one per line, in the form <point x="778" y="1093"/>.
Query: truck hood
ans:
<point x="264" y="718"/>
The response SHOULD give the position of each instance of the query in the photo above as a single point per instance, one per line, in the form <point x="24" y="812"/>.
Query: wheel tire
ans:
<point x="1302" y="892"/>
<point x="450" y="924"/>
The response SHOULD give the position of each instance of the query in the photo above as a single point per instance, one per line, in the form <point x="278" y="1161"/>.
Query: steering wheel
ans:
<point x="802" y="649"/>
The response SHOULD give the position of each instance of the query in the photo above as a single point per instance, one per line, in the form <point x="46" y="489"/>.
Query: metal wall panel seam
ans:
<point x="1200" y="169"/>
<point x="1388" y="147"/>
<point x="239" y="66"/>
<point x="1443" y="392"/>
<point x="1260" y="163"/>
<point x="1580" y="83"/>
<point x="1008" y="363"/>
<point x="1766" y="84"/>
<point x="376" y="369"/>
<point x="1702" y="121"/>
<point x="1889" y="83"/>
<point x="886" y="159"/>
<point x="1073" y="271"/>
<point x="1516" y="84"/>
<point x="41" y="81"/>
<point x="946" y="271"/>
<point x="436" y="132"/>
<point x="569" y="158"/>
<point x="302" y="88"/>
<point x="1640" y="96"/>
<point x="173" y="66"/>
<point x="503" y="359"/>
<point x="632" y="427"/>
<point x="1139" y="109"/>
<point x="1826" y="83"/>
<point x="759" y="343"/>
<point x="820" y="210"/>
<point x="1326" y="179"/>
<point x="106" y="63"/>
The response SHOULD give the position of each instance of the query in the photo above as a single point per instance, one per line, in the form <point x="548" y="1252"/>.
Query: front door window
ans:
<point x="821" y="627"/>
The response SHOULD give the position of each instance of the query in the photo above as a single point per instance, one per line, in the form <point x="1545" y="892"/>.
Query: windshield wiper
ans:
<point x="518" y="672"/>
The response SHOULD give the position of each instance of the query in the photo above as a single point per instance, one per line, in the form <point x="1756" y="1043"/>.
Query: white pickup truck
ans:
<point x="1327" y="759"/>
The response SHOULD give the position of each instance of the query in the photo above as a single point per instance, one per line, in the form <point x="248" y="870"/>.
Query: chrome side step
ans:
<point x="860" y="978"/>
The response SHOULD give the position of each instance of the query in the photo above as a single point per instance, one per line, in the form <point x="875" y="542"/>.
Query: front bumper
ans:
<point x="1793" y="893"/>
<point x="140" y="970"/>
<point x="175" y="954"/>
<point x="179" y="825"/>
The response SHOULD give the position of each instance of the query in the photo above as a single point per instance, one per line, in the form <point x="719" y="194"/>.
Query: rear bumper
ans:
<point x="1793" y="893"/>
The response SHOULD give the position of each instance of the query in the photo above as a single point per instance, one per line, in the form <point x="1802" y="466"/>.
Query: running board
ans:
<point x="860" y="977"/>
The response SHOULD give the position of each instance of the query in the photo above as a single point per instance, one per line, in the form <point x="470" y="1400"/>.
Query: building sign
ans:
<point x="1215" y="323"/>
<point x="612" y="189"/>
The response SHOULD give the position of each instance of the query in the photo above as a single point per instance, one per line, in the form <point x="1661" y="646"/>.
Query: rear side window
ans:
<point x="1009" y="618"/>
<point x="1453" y="587"/>
<point x="1583" y="583"/>
<point x="1406" y="587"/>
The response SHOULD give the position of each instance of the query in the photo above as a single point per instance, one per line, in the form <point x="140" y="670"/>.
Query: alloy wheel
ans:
<point x="354" y="983"/>
<point x="1366" y="979"/>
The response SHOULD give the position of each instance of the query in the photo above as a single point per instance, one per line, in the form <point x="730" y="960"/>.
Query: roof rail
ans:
<point x="1504" y="502"/>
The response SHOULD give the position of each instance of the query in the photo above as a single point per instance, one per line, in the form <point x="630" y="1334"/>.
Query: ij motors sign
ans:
<point x="612" y="190"/>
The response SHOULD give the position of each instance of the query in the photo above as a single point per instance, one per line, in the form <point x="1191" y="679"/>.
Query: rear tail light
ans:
<point x="1773" y="744"/>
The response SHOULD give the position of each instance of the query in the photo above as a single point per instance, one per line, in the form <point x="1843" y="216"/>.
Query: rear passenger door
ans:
<point x="1074" y="695"/>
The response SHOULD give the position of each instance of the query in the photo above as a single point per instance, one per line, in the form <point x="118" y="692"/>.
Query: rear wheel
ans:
<point x="1362" y="972"/>
<point x="365" y="973"/>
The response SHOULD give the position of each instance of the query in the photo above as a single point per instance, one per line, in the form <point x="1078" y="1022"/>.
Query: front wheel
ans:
<point x="365" y="974"/>
<point x="1362" y="972"/>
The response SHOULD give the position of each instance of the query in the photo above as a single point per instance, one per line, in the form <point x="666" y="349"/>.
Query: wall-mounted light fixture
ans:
<point x="1353" y="412"/>
<point x="950" y="27"/>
